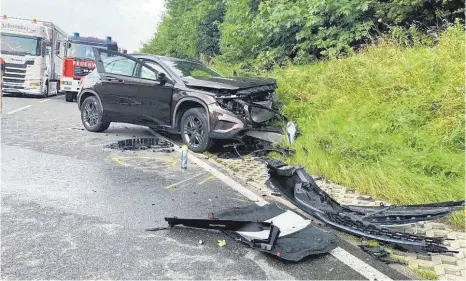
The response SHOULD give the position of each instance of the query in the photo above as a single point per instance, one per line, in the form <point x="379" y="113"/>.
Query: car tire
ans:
<point x="69" y="96"/>
<point x="194" y="130"/>
<point x="91" y="115"/>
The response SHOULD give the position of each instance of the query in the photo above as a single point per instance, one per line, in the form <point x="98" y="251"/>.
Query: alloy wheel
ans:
<point x="194" y="131"/>
<point x="91" y="114"/>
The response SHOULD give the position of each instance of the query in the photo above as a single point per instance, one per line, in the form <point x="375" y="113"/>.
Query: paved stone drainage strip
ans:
<point x="449" y="266"/>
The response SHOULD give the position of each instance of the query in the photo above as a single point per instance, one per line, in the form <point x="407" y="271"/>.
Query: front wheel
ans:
<point x="69" y="96"/>
<point x="91" y="115"/>
<point x="194" y="130"/>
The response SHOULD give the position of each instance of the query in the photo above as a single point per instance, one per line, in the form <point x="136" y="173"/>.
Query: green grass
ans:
<point x="388" y="121"/>
<point x="426" y="274"/>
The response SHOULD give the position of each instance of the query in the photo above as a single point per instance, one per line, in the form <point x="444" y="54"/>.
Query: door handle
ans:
<point x="114" y="79"/>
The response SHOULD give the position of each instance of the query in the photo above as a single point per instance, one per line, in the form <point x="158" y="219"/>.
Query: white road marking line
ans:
<point x="358" y="265"/>
<point x="19" y="109"/>
<point x="221" y="176"/>
<point x="44" y="100"/>
<point x="340" y="254"/>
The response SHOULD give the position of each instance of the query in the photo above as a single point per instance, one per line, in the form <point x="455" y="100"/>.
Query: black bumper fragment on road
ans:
<point x="270" y="229"/>
<point x="299" y="187"/>
<point x="153" y="143"/>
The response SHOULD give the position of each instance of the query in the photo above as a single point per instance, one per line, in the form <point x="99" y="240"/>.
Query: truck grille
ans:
<point x="15" y="65"/>
<point x="6" y="80"/>
<point x="15" y="75"/>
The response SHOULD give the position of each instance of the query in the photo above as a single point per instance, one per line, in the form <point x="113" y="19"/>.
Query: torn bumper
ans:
<point x="249" y="122"/>
<point x="299" y="187"/>
<point x="269" y="229"/>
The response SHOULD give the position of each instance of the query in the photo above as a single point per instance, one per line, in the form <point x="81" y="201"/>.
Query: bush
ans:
<point x="388" y="121"/>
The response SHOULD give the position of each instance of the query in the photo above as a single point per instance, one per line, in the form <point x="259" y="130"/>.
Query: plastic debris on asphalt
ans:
<point x="222" y="243"/>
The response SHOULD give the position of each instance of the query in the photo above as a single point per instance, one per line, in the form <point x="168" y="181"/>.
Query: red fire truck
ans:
<point x="79" y="61"/>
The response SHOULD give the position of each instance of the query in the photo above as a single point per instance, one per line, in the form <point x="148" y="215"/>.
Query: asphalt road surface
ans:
<point x="72" y="209"/>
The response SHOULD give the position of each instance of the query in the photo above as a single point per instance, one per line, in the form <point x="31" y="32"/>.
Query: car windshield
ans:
<point x="186" y="69"/>
<point x="20" y="45"/>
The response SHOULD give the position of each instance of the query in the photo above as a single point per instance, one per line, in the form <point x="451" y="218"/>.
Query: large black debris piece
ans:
<point x="249" y="146"/>
<point x="153" y="143"/>
<point x="270" y="229"/>
<point x="299" y="187"/>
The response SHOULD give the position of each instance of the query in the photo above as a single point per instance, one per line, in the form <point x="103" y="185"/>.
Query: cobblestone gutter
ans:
<point x="450" y="266"/>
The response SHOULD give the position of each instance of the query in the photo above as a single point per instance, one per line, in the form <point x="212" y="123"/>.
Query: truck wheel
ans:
<point x="69" y="96"/>
<point x="91" y="115"/>
<point x="194" y="130"/>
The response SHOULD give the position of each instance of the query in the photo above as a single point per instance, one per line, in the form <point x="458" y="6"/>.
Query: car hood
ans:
<point x="228" y="83"/>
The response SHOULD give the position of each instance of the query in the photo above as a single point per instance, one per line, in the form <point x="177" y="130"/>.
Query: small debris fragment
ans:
<point x="379" y="253"/>
<point x="222" y="243"/>
<point x="201" y="242"/>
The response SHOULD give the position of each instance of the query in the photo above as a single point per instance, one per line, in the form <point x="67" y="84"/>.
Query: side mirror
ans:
<point x="162" y="78"/>
<point x="69" y="45"/>
<point x="57" y="48"/>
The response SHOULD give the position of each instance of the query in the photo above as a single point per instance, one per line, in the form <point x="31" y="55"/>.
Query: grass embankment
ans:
<point x="388" y="121"/>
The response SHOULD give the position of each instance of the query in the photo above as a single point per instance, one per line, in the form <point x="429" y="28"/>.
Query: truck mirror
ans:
<point x="69" y="45"/>
<point x="57" y="47"/>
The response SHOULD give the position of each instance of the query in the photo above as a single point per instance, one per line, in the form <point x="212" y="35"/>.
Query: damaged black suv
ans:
<point x="178" y="96"/>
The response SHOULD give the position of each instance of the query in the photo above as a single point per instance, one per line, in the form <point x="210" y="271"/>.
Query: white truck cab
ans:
<point x="32" y="58"/>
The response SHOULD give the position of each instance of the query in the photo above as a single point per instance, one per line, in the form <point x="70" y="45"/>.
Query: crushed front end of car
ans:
<point x="250" y="113"/>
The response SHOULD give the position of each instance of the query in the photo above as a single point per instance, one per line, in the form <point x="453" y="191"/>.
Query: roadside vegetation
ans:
<point x="376" y="87"/>
<point x="388" y="122"/>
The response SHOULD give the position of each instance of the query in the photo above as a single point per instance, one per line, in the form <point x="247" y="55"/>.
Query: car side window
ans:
<point x="146" y="73"/>
<point x="108" y="66"/>
<point x="155" y="66"/>
<point x="149" y="74"/>
<point x="119" y="65"/>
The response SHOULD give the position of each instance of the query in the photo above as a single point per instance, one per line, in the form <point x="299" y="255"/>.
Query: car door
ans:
<point x="116" y="81"/>
<point x="157" y="97"/>
<point x="120" y="89"/>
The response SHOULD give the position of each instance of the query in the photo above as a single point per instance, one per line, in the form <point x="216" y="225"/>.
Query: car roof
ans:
<point x="150" y="56"/>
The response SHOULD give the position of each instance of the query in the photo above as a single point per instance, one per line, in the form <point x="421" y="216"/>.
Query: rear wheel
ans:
<point x="194" y="130"/>
<point x="69" y="96"/>
<point x="91" y="115"/>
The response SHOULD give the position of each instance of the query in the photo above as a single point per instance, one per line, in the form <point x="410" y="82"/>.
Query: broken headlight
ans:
<point x="232" y="106"/>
